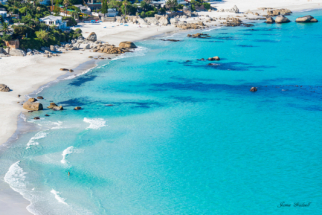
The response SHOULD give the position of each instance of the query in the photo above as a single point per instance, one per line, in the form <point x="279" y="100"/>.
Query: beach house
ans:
<point x="3" y="13"/>
<point x="54" y="20"/>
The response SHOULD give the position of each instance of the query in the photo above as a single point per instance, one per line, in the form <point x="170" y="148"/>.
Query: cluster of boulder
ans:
<point x="232" y="10"/>
<point x="186" y="26"/>
<point x="283" y="19"/>
<point x="156" y="20"/>
<point x="55" y="107"/>
<point x="4" y="88"/>
<point x="112" y="49"/>
<point x="306" y="19"/>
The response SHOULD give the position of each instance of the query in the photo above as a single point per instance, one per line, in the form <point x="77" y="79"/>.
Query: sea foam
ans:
<point x="59" y="199"/>
<point x="15" y="177"/>
<point x="66" y="152"/>
<point x="38" y="136"/>
<point x="95" y="123"/>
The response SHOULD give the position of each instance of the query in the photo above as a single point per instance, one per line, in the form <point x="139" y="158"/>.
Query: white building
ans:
<point x="54" y="20"/>
<point x="83" y="9"/>
<point x="112" y="12"/>
<point x="3" y="14"/>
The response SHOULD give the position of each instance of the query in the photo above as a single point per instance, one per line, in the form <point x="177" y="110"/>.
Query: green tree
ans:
<point x="57" y="8"/>
<point x="104" y="7"/>
<point x="43" y="35"/>
<point x="171" y="4"/>
<point x="5" y="27"/>
<point x="66" y="3"/>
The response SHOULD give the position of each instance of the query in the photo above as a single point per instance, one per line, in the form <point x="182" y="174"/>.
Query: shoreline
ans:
<point x="9" y="199"/>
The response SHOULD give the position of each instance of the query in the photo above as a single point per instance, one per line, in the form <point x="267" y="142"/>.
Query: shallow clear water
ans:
<point x="183" y="137"/>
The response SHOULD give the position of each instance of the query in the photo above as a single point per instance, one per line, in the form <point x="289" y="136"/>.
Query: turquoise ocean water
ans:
<point x="182" y="137"/>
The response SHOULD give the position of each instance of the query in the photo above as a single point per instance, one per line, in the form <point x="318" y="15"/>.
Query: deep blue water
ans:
<point x="183" y="137"/>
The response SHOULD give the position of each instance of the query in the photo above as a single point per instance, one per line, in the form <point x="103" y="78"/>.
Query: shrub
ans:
<point x="70" y="21"/>
<point x="206" y="6"/>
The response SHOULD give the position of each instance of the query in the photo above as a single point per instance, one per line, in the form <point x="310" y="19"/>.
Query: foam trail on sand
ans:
<point x="59" y="199"/>
<point x="66" y="152"/>
<point x="95" y="123"/>
<point x="38" y="136"/>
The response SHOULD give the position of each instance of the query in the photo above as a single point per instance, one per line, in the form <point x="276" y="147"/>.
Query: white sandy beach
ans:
<point x="26" y="74"/>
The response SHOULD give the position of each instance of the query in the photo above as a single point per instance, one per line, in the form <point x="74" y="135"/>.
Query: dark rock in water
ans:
<point x="253" y="89"/>
<point x="202" y="59"/>
<point x="4" y="88"/>
<point x="46" y="115"/>
<point x="171" y="40"/>
<point x="71" y="70"/>
<point x="40" y="97"/>
<point x="109" y="105"/>
<point x="214" y="58"/>
<point x="199" y="35"/>
<point x="64" y="69"/>
<point x="306" y="19"/>
<point x="248" y="25"/>
<point x="77" y="108"/>
<point x="37" y="117"/>
<point x="187" y="60"/>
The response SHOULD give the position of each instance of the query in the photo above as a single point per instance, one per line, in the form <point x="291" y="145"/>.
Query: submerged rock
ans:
<point x="40" y="97"/>
<point x="77" y="108"/>
<point x="214" y="58"/>
<point x="253" y="89"/>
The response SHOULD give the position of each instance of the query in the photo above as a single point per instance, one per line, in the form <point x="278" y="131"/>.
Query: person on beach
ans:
<point x="68" y="174"/>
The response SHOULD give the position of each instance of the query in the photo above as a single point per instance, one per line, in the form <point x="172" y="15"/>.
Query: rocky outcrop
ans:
<point x="232" y="22"/>
<point x="270" y="20"/>
<point x="187" y="26"/>
<point x="278" y="12"/>
<point x="40" y="97"/>
<point x="17" y="52"/>
<point x="306" y="19"/>
<point x="281" y="19"/>
<point x="32" y="105"/>
<point x="174" y="21"/>
<point x="4" y="88"/>
<point x="253" y="89"/>
<point x="163" y="21"/>
<point x="55" y="107"/>
<point x="92" y="37"/>
<point x="127" y="44"/>
<point x="110" y="49"/>
<point x="77" y="108"/>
